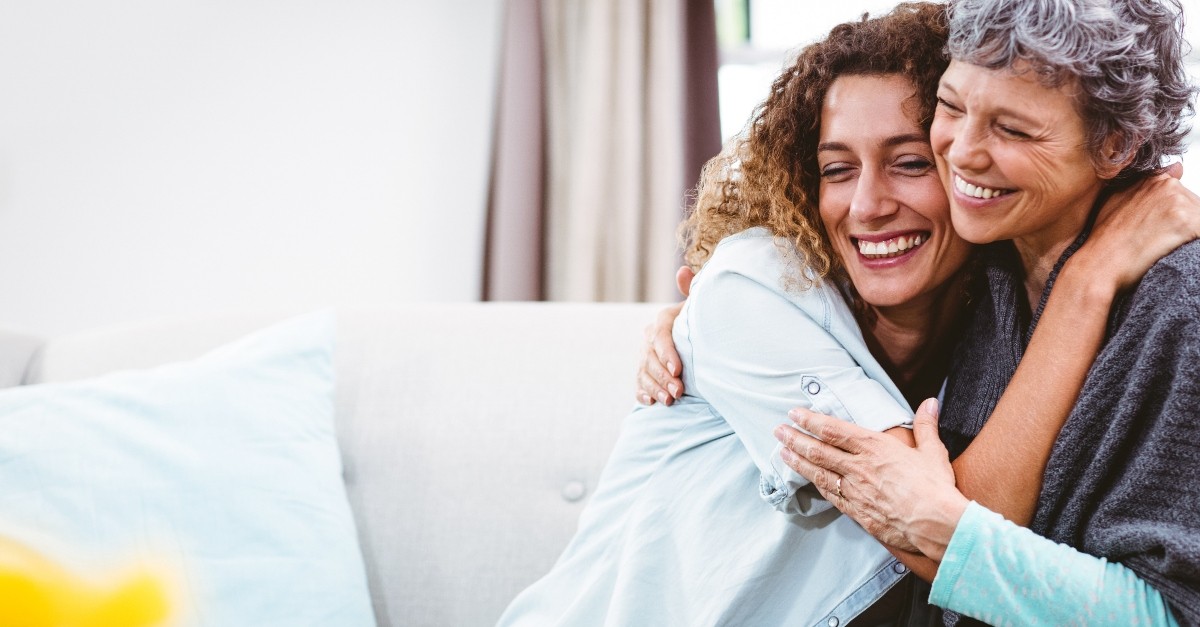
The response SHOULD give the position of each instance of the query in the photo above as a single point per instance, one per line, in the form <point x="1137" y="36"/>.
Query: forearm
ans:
<point x="920" y="565"/>
<point x="1000" y="573"/>
<point x="1002" y="468"/>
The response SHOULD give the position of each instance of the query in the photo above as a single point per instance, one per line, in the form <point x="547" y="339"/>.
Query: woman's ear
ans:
<point x="1116" y="153"/>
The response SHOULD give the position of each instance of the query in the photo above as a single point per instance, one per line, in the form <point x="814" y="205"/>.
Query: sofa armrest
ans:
<point x="17" y="353"/>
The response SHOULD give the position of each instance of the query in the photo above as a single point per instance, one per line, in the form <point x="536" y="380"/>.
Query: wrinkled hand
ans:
<point x="903" y="496"/>
<point x="1138" y="226"/>
<point x="660" y="368"/>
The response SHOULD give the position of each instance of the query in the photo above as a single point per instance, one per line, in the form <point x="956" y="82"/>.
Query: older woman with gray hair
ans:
<point x="1048" y="107"/>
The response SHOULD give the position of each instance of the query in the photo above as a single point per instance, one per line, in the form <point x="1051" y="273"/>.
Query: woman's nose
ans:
<point x="967" y="151"/>
<point x="873" y="198"/>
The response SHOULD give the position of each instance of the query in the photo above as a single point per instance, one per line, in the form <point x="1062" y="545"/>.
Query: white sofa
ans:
<point x="471" y="434"/>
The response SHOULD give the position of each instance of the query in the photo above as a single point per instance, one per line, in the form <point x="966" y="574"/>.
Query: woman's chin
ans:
<point x="975" y="229"/>
<point x="884" y="296"/>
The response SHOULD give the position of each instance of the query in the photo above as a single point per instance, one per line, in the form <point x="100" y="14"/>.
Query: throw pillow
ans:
<point x="224" y="470"/>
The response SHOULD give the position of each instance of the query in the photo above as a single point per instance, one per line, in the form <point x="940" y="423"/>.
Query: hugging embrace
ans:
<point x="958" y="210"/>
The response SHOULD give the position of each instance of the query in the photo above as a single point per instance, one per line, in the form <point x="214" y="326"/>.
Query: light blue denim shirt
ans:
<point x="696" y="519"/>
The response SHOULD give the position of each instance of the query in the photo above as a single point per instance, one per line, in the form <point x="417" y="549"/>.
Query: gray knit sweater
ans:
<point x="1123" y="479"/>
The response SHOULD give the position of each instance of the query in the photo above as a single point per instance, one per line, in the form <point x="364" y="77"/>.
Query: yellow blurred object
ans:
<point x="35" y="592"/>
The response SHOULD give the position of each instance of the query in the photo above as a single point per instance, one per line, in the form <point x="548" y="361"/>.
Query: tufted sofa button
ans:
<point x="573" y="491"/>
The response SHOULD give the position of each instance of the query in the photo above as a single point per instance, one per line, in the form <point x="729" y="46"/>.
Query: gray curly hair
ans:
<point x="1126" y="56"/>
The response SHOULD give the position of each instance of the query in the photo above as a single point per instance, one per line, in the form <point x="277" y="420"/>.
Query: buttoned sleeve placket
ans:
<point x="753" y="376"/>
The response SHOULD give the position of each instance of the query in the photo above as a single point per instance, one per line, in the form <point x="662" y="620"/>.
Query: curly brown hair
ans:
<point x="768" y="175"/>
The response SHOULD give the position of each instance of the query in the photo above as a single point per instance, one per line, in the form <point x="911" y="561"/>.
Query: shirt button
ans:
<point x="832" y="622"/>
<point x="573" y="491"/>
<point x="899" y="568"/>
<point x="814" y="388"/>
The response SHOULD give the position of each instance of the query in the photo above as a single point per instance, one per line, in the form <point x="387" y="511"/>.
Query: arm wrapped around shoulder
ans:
<point x="1121" y="481"/>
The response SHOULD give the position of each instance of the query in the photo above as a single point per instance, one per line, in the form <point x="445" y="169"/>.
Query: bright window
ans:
<point x="756" y="37"/>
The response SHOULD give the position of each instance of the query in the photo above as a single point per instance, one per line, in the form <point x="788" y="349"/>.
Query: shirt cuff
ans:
<point x="958" y="552"/>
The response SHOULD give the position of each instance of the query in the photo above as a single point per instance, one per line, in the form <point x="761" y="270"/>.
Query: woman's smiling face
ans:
<point x="881" y="200"/>
<point x="1012" y="155"/>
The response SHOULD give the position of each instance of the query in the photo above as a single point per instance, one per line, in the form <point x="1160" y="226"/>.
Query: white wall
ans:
<point x="160" y="157"/>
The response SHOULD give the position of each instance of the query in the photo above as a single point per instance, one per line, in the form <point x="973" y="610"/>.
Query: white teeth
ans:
<point x="969" y="189"/>
<point x="890" y="248"/>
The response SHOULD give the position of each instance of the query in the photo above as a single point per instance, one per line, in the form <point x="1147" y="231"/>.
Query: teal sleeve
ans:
<point x="1004" y="574"/>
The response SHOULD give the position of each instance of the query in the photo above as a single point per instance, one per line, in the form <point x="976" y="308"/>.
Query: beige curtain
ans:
<point x="630" y="115"/>
<point x="513" y="259"/>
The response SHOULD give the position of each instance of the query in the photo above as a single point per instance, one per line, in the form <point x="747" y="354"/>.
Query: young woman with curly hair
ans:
<point x="830" y="274"/>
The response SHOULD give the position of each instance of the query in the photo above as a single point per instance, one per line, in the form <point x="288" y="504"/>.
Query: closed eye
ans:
<point x="1012" y="132"/>
<point x="942" y="103"/>
<point x="837" y="172"/>
<point x="915" y="166"/>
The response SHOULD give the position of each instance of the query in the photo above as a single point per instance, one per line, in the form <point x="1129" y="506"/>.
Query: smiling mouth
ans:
<point x="975" y="191"/>
<point x="893" y="247"/>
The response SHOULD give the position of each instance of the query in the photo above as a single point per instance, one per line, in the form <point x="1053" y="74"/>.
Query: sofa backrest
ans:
<point x="471" y="434"/>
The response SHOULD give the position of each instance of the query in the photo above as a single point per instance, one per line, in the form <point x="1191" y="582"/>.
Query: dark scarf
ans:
<point x="1123" y="479"/>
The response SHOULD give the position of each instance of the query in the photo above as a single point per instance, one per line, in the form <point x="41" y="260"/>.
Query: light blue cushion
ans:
<point x="224" y="470"/>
